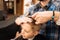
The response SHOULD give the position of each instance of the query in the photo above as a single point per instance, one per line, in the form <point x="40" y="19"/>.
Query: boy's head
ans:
<point x="29" y="30"/>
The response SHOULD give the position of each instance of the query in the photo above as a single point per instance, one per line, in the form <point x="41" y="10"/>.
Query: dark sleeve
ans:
<point x="42" y="37"/>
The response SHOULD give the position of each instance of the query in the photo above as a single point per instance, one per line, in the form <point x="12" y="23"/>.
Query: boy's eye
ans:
<point x="27" y="31"/>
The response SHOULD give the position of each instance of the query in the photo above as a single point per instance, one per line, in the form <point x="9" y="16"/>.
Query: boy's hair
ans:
<point x="35" y="27"/>
<point x="41" y="0"/>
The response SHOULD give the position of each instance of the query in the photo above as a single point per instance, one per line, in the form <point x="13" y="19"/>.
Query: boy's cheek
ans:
<point x="27" y="35"/>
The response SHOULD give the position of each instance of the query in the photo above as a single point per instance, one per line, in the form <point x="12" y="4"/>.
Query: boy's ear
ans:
<point x="36" y="33"/>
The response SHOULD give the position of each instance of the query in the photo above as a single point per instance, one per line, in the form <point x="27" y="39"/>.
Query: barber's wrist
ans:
<point x="53" y="15"/>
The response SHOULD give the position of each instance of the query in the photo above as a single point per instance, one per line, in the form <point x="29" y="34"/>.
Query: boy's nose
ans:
<point x="22" y="31"/>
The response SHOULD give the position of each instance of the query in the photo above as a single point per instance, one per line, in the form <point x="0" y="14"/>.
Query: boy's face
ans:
<point x="27" y="31"/>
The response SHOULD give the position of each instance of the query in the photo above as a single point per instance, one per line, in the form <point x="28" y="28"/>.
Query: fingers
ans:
<point x="19" y="21"/>
<point x="41" y="19"/>
<point x="26" y="19"/>
<point x="34" y="15"/>
<point x="38" y="20"/>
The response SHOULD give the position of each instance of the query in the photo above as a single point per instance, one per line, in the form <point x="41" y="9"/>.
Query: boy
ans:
<point x="30" y="31"/>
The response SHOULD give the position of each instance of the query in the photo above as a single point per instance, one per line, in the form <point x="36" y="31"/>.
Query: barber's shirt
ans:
<point x="51" y="30"/>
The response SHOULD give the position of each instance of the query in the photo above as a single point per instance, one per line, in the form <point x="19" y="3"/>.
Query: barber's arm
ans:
<point x="43" y="17"/>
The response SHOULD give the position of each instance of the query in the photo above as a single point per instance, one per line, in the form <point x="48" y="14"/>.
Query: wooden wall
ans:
<point x="19" y="7"/>
<point x="1" y="4"/>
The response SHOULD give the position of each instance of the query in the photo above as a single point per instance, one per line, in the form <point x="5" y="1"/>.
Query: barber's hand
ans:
<point x="19" y="20"/>
<point x="57" y="17"/>
<point x="58" y="21"/>
<point x="42" y="17"/>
